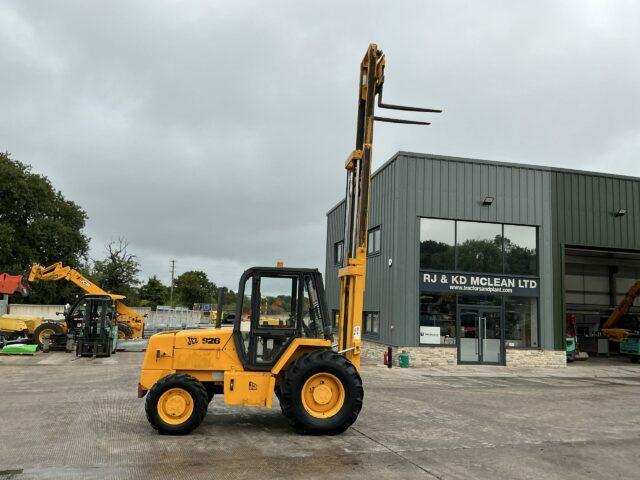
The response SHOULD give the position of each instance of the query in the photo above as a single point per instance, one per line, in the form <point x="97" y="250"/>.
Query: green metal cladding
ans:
<point x="568" y="208"/>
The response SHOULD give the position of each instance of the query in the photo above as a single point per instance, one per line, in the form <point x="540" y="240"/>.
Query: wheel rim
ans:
<point x="45" y="332"/>
<point x="175" y="406"/>
<point x="323" y="395"/>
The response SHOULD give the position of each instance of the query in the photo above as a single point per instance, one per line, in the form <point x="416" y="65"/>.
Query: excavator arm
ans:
<point x="610" y="328"/>
<point x="57" y="271"/>
<point x="358" y="165"/>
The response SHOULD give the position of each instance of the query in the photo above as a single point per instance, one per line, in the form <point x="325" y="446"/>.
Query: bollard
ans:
<point x="389" y="356"/>
<point x="47" y="342"/>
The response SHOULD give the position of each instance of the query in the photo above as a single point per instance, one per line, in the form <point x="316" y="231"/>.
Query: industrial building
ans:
<point x="480" y="262"/>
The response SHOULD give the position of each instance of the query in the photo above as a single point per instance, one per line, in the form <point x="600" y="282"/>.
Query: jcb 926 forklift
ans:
<point x="281" y="341"/>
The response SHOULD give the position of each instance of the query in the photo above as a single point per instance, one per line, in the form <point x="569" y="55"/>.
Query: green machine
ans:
<point x="630" y="347"/>
<point x="96" y="327"/>
<point x="572" y="349"/>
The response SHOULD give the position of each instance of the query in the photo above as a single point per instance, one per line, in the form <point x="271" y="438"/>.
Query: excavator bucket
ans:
<point x="12" y="284"/>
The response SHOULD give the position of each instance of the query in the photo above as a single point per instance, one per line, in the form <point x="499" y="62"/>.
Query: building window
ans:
<point x="520" y="250"/>
<point x="373" y="241"/>
<point x="338" y="253"/>
<point x="437" y="244"/>
<point x="371" y="323"/>
<point x="521" y="322"/>
<point x="480" y="300"/>
<point x="437" y="319"/>
<point x="479" y="247"/>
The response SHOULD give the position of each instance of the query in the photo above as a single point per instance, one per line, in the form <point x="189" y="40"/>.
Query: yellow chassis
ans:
<point x="210" y="356"/>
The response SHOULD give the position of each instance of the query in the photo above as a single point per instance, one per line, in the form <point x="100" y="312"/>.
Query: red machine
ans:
<point x="11" y="284"/>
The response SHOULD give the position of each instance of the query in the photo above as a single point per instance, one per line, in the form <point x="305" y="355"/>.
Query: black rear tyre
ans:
<point x="297" y="386"/>
<point x="51" y="328"/>
<point x="161" y="409"/>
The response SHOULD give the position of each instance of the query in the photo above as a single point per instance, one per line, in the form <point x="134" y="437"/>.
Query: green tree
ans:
<point x="437" y="255"/>
<point x="38" y="225"/>
<point x="153" y="293"/>
<point x="519" y="260"/>
<point x="481" y="255"/>
<point x="229" y="299"/>
<point x="194" y="287"/>
<point x="118" y="272"/>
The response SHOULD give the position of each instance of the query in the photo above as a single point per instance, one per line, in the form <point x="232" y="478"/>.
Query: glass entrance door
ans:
<point x="480" y="338"/>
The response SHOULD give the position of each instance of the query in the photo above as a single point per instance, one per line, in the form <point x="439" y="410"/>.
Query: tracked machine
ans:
<point x="281" y="344"/>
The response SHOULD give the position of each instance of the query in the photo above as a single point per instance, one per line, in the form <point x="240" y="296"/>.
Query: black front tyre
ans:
<point x="321" y="393"/>
<point x="176" y="404"/>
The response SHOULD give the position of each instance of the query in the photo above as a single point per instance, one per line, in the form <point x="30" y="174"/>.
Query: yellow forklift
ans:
<point x="283" y="347"/>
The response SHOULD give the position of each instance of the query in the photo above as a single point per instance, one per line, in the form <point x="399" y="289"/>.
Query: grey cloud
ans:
<point x="215" y="132"/>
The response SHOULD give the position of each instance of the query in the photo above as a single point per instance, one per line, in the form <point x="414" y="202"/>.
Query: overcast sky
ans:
<point x="215" y="133"/>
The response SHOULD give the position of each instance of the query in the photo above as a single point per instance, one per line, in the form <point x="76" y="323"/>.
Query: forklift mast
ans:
<point x="358" y="165"/>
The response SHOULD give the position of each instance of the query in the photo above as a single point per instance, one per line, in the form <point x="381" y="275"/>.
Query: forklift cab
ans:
<point x="275" y="306"/>
<point x="92" y="318"/>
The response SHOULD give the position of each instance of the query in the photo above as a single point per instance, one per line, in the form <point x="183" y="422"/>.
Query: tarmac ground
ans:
<point x="67" y="417"/>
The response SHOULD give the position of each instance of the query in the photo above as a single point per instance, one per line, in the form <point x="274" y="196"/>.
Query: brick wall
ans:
<point x="373" y="352"/>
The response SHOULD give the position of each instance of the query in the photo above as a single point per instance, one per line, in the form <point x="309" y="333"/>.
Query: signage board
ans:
<point x="429" y="335"/>
<point x="478" y="284"/>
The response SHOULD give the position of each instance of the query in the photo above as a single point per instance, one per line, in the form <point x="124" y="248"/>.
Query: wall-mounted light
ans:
<point x="487" y="202"/>
<point x="621" y="212"/>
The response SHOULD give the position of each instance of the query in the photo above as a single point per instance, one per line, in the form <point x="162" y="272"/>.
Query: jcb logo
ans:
<point x="253" y="386"/>
<point x="192" y="340"/>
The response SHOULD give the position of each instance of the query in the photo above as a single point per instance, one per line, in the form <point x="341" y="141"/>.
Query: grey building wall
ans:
<point x="568" y="207"/>
<point x="450" y="187"/>
<point x="378" y="289"/>
<point x="335" y="233"/>
<point x="584" y="207"/>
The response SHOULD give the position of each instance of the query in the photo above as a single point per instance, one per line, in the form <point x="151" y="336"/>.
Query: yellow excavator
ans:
<point x="611" y="328"/>
<point x="130" y="323"/>
<point x="318" y="383"/>
<point x="628" y="338"/>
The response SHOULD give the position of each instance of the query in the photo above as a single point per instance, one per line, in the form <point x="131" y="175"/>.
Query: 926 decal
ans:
<point x="205" y="341"/>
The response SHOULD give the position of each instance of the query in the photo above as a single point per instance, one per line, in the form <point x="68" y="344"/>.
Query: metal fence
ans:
<point x="171" y="320"/>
